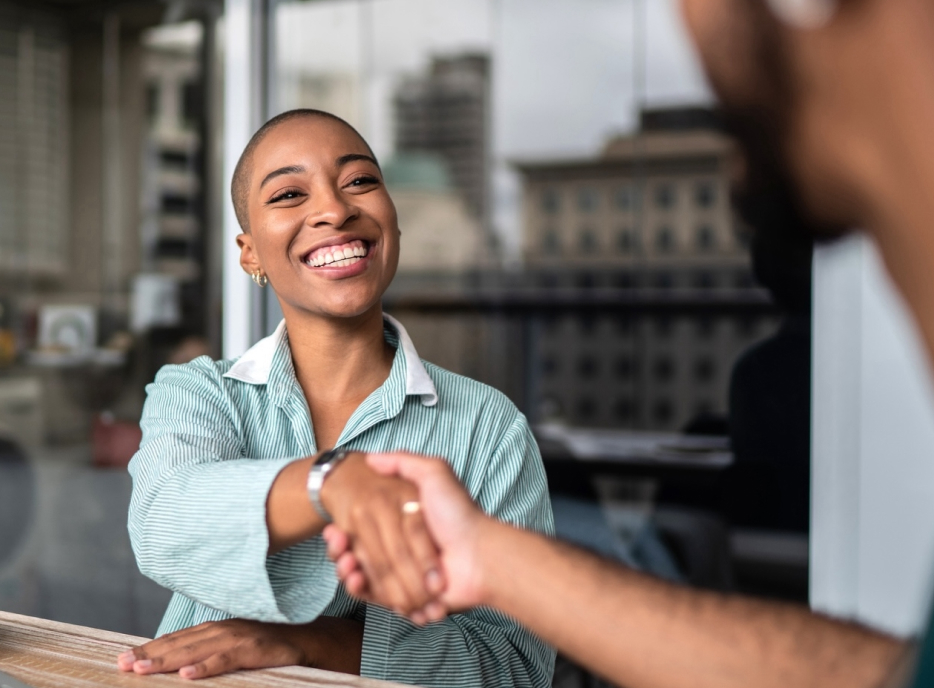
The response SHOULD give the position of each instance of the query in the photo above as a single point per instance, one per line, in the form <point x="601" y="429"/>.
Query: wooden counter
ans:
<point x="48" y="654"/>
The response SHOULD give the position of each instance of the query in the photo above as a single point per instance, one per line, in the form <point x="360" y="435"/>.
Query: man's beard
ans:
<point x="767" y="198"/>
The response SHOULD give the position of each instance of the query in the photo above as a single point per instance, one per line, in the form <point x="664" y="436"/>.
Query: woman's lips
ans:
<point x="341" y="261"/>
<point x="337" y="253"/>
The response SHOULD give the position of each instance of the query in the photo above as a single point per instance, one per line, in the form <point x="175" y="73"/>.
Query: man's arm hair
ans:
<point x="641" y="632"/>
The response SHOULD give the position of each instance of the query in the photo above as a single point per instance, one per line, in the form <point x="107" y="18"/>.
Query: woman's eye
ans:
<point x="363" y="181"/>
<point x="285" y="196"/>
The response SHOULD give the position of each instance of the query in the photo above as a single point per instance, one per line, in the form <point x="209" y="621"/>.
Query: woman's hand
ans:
<point x="391" y="543"/>
<point x="219" y="647"/>
<point x="456" y="524"/>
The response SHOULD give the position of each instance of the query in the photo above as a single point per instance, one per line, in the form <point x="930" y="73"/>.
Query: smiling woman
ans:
<point x="231" y="490"/>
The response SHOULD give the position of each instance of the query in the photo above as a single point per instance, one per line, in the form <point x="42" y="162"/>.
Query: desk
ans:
<point x="48" y="654"/>
<point x="632" y="452"/>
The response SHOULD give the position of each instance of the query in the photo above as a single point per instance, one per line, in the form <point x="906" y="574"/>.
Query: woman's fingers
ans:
<point x="424" y="552"/>
<point x="382" y="579"/>
<point x="151" y="657"/>
<point x="219" y="663"/>
<point x="406" y="543"/>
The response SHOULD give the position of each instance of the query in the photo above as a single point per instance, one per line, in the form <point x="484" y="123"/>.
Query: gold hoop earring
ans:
<point x="259" y="278"/>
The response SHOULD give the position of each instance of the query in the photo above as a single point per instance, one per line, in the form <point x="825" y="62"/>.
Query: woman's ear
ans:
<point x="249" y="261"/>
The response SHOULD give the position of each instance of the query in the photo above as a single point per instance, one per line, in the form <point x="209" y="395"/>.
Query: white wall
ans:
<point x="872" y="521"/>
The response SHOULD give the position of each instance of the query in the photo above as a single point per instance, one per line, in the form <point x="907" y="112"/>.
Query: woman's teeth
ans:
<point x="338" y="256"/>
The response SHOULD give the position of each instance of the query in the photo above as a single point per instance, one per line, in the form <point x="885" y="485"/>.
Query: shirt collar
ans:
<point x="254" y="366"/>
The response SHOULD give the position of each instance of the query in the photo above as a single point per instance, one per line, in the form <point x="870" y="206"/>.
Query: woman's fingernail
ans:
<point x="128" y="656"/>
<point x="142" y="664"/>
<point x="187" y="672"/>
<point x="433" y="581"/>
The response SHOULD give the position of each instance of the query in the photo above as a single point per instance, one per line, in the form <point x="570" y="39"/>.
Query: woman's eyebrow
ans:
<point x="289" y="169"/>
<point x="353" y="157"/>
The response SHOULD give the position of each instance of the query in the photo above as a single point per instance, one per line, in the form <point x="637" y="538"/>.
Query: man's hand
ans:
<point x="455" y="523"/>
<point x="219" y="647"/>
<point x="392" y="544"/>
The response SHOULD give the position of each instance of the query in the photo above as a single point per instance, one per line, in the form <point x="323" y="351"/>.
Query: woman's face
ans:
<point x="322" y="226"/>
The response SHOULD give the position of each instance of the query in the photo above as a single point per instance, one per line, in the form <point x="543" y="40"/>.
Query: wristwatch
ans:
<point x="323" y="465"/>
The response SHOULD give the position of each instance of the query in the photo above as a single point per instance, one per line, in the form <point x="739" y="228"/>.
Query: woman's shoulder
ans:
<point x="201" y="372"/>
<point x="456" y="391"/>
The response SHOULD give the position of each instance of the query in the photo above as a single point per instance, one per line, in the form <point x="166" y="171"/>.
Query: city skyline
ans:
<point x="580" y="52"/>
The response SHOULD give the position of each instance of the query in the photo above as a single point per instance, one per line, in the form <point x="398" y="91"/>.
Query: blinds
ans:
<point x="33" y="143"/>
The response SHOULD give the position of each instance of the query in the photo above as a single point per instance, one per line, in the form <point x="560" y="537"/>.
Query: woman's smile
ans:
<point x="340" y="258"/>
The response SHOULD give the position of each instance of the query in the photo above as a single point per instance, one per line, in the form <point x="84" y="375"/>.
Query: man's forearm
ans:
<point x="644" y="633"/>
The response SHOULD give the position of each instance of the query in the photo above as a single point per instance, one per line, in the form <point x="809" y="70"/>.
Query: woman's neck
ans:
<point x="339" y="360"/>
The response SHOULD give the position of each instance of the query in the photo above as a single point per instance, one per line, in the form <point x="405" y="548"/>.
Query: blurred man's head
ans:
<point x="807" y="99"/>
<point x="833" y="103"/>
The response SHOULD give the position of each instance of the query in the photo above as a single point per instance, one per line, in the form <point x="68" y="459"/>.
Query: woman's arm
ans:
<point x="237" y="534"/>
<point x="219" y="647"/>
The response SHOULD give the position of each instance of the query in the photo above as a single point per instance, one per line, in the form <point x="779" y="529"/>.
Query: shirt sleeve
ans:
<point x="197" y="519"/>
<point x="482" y="647"/>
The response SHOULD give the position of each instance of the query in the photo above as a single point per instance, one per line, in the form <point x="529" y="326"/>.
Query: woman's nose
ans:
<point x="331" y="207"/>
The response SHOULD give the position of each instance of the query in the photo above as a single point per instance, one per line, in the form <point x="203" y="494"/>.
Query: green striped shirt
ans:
<point x="216" y="434"/>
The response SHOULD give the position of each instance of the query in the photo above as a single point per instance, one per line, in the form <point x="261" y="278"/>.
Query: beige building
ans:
<point x="650" y="218"/>
<point x="652" y="201"/>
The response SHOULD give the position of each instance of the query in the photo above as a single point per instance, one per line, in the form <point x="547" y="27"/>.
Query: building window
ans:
<point x="664" y="280"/>
<point x="705" y="194"/>
<point x="625" y="241"/>
<point x="663" y="411"/>
<point x="705" y="328"/>
<point x="664" y="369"/>
<point x="624" y="325"/>
<point x="551" y="201"/>
<point x="586" y="409"/>
<point x="587" y="367"/>
<point x="664" y="239"/>
<point x="548" y="280"/>
<point x="585" y="280"/>
<point x="705" y="238"/>
<point x="588" y="240"/>
<point x="624" y="368"/>
<point x="588" y="200"/>
<point x="624" y="198"/>
<point x="665" y="197"/>
<point x="664" y="327"/>
<point x="743" y="237"/>
<point x="588" y="325"/>
<point x="704" y="280"/>
<point x="624" y="280"/>
<point x="704" y="369"/>
<point x="551" y="242"/>
<point x="624" y="410"/>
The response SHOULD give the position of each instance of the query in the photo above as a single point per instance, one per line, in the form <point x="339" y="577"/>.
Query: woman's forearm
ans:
<point x="290" y="517"/>
<point x="644" y="633"/>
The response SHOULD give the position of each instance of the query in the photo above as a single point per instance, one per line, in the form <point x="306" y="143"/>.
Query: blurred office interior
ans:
<point x="563" y="184"/>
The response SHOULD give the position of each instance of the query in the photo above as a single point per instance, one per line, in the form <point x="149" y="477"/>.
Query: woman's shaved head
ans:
<point x="240" y="184"/>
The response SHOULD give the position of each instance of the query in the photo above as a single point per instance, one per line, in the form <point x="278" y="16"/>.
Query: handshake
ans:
<point x="422" y="561"/>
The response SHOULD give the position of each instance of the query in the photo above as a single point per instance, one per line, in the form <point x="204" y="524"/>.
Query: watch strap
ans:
<point x="323" y="465"/>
